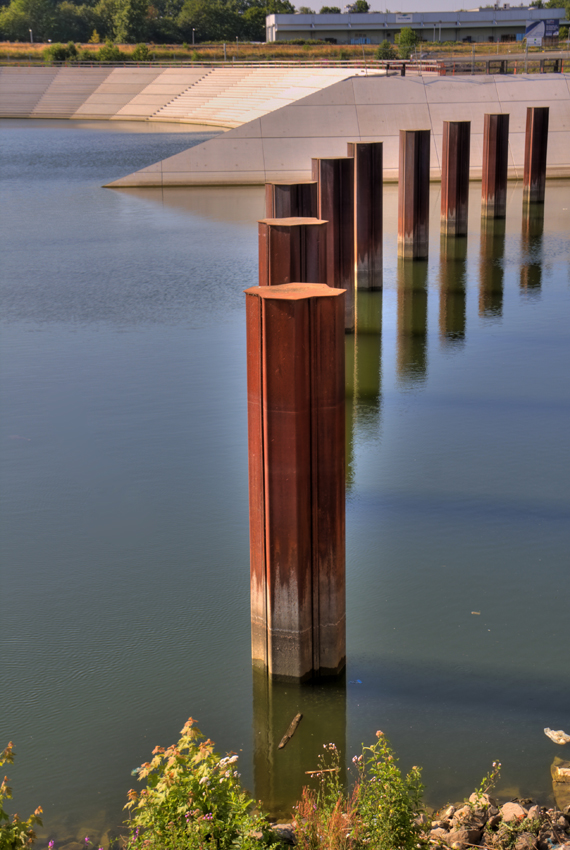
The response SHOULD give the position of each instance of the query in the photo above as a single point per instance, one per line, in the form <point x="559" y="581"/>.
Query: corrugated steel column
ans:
<point x="455" y="177"/>
<point x="289" y="200"/>
<point x="495" y="165"/>
<point x="535" y="149"/>
<point x="295" y="352"/>
<point x="335" y="178"/>
<point x="367" y="213"/>
<point x="413" y="194"/>
<point x="292" y="249"/>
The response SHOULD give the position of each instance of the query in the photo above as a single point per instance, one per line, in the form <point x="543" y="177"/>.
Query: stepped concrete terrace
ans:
<point x="226" y="96"/>
<point x="278" y="145"/>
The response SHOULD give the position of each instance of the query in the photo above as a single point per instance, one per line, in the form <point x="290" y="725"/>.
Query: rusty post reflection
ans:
<point x="491" y="271"/>
<point x="531" y="247"/>
<point x="411" y="359"/>
<point x="535" y="148"/>
<point x="455" y="177"/>
<point x="367" y="213"/>
<point x="495" y="165"/>
<point x="413" y="194"/>
<point x="335" y="178"/>
<point x="296" y="399"/>
<point x="291" y="200"/>
<point x="363" y="351"/>
<point x="279" y="775"/>
<point x="452" y="289"/>
<point x="292" y="249"/>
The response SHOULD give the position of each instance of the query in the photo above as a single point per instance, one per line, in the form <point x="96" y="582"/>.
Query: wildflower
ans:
<point x="86" y="839"/>
<point x="51" y="845"/>
<point x="379" y="733"/>
<point x="204" y="781"/>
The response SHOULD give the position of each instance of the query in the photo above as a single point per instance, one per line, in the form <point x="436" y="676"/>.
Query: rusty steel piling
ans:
<point x="292" y="249"/>
<point x="535" y="149"/>
<point x="495" y="165"/>
<point x="368" y="213"/>
<point x="291" y="200"/>
<point x="455" y="177"/>
<point x="335" y="178"/>
<point x="413" y="194"/>
<point x="296" y="410"/>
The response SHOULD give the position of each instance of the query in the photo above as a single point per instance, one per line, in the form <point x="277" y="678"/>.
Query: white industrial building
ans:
<point x="490" y="24"/>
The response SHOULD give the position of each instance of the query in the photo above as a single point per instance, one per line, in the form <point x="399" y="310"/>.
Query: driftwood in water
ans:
<point x="290" y="731"/>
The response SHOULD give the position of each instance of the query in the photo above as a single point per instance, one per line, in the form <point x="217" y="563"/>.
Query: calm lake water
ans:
<point x="124" y="538"/>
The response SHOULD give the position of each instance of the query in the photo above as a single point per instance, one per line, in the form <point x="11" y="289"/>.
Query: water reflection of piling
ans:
<point x="363" y="351"/>
<point x="495" y="165"/>
<point x="292" y="250"/>
<point x="413" y="194"/>
<point x="279" y="775"/>
<point x="535" y="147"/>
<point x="455" y="177"/>
<point x="531" y="247"/>
<point x="491" y="271"/>
<point x="452" y="289"/>
<point x="367" y="213"/>
<point x="412" y="321"/>
<point x="335" y="178"/>
<point x="291" y="200"/>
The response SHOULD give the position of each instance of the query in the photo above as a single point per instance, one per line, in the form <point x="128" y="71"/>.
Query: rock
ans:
<point x="526" y="841"/>
<point x="459" y="839"/>
<point x="513" y="812"/>
<point x="534" y="813"/>
<point x="422" y="820"/>
<point x="560" y="770"/>
<point x="285" y="833"/>
<point x="448" y="813"/>
<point x="464" y="813"/>
<point x="438" y="834"/>
<point x="494" y="821"/>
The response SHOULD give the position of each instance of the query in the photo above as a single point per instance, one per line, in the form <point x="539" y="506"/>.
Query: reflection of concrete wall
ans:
<point x="278" y="146"/>
<point x="279" y="775"/>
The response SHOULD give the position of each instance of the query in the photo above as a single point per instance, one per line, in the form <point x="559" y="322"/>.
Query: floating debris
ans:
<point x="558" y="737"/>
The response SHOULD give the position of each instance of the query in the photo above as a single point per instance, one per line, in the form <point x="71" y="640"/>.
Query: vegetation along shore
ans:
<point x="193" y="799"/>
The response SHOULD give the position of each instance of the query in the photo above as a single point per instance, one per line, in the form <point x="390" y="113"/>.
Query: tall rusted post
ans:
<point x="292" y="249"/>
<point x="413" y="194"/>
<point x="291" y="200"/>
<point x="455" y="177"/>
<point x="535" y="148"/>
<point x="367" y="213"/>
<point x="495" y="165"/>
<point x="295" y="373"/>
<point x="335" y="178"/>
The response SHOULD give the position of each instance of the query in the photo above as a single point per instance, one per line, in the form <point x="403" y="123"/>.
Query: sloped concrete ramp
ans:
<point x="279" y="145"/>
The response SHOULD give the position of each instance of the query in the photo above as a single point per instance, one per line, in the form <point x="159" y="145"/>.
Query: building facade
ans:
<point x="491" y="24"/>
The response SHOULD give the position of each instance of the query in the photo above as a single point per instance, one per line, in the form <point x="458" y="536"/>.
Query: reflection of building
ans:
<point x="489" y="24"/>
<point x="363" y="371"/>
<point x="412" y="320"/>
<point x="531" y="247"/>
<point x="279" y="775"/>
<point x="491" y="267"/>
<point x="452" y="284"/>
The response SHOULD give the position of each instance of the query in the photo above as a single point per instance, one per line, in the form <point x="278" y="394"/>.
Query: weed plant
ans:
<point x="15" y="832"/>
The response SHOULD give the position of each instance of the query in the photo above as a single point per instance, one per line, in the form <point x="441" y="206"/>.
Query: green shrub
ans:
<point x="15" y="834"/>
<point x="141" y="53"/>
<point x="61" y="52"/>
<point x="386" y="51"/>
<point x="193" y="799"/>
<point x="109" y="53"/>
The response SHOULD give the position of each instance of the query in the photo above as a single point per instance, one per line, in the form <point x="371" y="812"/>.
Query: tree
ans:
<point x="21" y="16"/>
<point x="407" y="40"/>
<point x="386" y="51"/>
<point x="360" y="7"/>
<point x="329" y="10"/>
<point x="304" y="10"/>
<point x="130" y="21"/>
<point x="75" y="23"/>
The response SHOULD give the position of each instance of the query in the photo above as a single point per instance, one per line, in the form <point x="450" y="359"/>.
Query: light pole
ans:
<point x="31" y="37"/>
<point x="237" y="41"/>
<point x="193" y="31"/>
